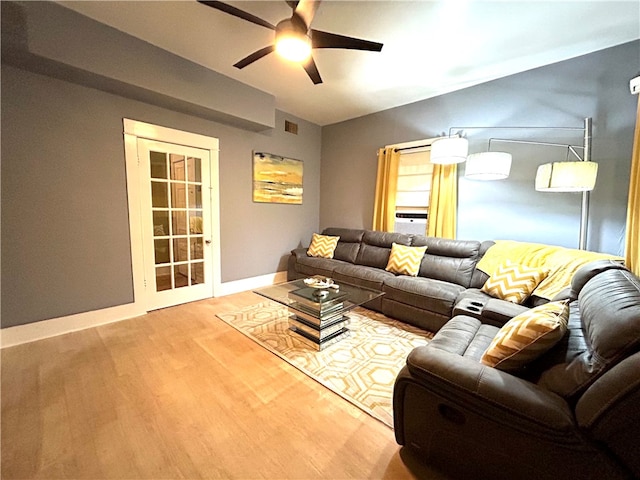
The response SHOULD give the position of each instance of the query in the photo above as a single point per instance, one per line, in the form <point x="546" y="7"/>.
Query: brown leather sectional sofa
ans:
<point x="574" y="413"/>
<point x="448" y="276"/>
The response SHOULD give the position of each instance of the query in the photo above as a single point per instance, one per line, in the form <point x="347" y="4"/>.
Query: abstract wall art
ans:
<point x="276" y="179"/>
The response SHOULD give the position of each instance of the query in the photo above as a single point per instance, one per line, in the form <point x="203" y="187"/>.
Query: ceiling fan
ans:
<point x="294" y="37"/>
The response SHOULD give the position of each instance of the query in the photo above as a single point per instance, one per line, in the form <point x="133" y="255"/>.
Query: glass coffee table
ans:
<point x="318" y="307"/>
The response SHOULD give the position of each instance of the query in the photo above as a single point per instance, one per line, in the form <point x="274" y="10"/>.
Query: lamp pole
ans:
<point x="584" y="212"/>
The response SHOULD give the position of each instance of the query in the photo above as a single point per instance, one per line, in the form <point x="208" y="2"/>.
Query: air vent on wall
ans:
<point x="290" y="127"/>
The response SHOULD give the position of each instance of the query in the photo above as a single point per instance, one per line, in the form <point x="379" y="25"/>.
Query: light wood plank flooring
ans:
<point x="150" y="398"/>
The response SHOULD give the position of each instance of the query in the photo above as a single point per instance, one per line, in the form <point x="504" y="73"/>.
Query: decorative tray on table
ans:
<point x="319" y="282"/>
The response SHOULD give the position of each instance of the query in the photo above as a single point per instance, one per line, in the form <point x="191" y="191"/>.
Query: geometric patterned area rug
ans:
<point x="361" y="368"/>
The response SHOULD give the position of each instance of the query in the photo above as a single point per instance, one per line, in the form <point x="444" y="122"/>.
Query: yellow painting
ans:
<point x="276" y="179"/>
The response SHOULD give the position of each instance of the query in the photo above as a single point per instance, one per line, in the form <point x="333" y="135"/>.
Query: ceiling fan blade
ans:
<point x="236" y="12"/>
<point x="311" y="69"/>
<point x="255" y="56"/>
<point x="306" y="10"/>
<point x="331" y="40"/>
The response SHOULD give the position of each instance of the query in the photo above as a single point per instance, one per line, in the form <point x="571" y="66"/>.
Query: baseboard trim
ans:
<point x="245" y="284"/>
<point x="31" y="332"/>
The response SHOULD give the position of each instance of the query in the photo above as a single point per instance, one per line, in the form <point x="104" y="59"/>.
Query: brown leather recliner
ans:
<point x="574" y="413"/>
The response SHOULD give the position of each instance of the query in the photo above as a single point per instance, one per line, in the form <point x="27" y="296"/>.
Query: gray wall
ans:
<point x="65" y="216"/>
<point x="562" y="94"/>
<point x="47" y="38"/>
<point x="65" y="245"/>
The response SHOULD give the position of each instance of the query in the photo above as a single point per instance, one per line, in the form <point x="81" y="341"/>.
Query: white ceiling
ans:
<point x="430" y="47"/>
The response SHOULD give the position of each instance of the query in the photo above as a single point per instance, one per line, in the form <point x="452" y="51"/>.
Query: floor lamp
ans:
<point x="569" y="176"/>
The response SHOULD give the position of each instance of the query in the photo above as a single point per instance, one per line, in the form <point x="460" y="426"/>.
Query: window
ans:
<point x="414" y="182"/>
<point x="406" y="203"/>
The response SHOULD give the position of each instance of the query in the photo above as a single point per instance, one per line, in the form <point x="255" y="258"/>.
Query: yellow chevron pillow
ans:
<point x="405" y="260"/>
<point x="527" y="336"/>
<point x="513" y="282"/>
<point x="322" y="246"/>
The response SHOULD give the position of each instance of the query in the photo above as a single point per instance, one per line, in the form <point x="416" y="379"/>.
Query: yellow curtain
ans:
<point x="633" y="209"/>
<point x="384" y="209"/>
<point x="443" y="203"/>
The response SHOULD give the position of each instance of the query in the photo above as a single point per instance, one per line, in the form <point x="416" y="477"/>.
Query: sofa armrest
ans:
<point x="608" y="411"/>
<point x="299" y="252"/>
<point x="492" y="393"/>
<point x="501" y="311"/>
<point x="292" y="272"/>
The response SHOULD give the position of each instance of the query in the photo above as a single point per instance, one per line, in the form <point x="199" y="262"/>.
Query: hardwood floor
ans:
<point x="144" y="398"/>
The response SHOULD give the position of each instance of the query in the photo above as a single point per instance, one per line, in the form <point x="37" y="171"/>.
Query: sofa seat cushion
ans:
<point x="424" y="293"/>
<point x="368" y="277"/>
<point x="317" y="266"/>
<point x="464" y="336"/>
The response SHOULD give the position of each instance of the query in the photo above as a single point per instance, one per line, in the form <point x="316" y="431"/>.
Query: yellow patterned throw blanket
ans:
<point x="561" y="262"/>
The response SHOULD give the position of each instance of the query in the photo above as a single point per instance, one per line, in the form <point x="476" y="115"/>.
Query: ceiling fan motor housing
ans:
<point x="293" y="26"/>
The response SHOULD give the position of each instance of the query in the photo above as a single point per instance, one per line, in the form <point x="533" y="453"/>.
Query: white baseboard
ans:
<point x="31" y="332"/>
<point x="72" y="323"/>
<point x="245" y="284"/>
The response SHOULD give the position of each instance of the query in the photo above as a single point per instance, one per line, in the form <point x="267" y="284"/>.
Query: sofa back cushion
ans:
<point x="349" y="243"/>
<point x="376" y="247"/>
<point x="609" y="310"/>
<point x="448" y="260"/>
<point x="589" y="271"/>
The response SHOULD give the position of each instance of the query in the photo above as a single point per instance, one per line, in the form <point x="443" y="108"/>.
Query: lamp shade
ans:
<point x="449" y="150"/>
<point x="488" y="166"/>
<point x="567" y="176"/>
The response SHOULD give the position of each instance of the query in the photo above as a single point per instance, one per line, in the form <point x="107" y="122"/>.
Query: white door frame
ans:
<point x="133" y="130"/>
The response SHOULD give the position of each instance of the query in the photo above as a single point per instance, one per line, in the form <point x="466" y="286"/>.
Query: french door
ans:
<point x="175" y="206"/>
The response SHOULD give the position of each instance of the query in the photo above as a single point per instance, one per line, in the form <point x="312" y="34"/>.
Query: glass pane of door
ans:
<point x="177" y="212"/>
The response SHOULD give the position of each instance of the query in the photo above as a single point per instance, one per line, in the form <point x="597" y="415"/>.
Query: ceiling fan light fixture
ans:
<point x="292" y="41"/>
<point x="296" y="48"/>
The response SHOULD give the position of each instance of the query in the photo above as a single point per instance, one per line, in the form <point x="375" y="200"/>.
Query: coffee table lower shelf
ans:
<point x="319" y="337"/>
